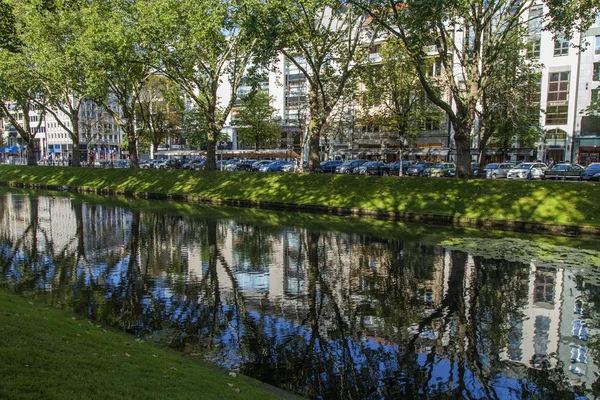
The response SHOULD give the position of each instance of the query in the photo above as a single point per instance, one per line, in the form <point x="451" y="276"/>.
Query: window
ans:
<point x="435" y="69"/>
<point x="432" y="124"/>
<point x="536" y="46"/>
<point x="597" y="50"/>
<point x="595" y="94"/>
<point x="558" y="87"/>
<point x="596" y="75"/>
<point x="557" y="115"/>
<point x="558" y="98"/>
<point x="561" y="47"/>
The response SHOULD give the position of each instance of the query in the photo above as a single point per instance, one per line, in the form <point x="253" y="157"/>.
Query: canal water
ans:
<point x="325" y="307"/>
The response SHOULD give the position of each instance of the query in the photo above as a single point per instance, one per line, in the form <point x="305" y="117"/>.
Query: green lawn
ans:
<point x="49" y="354"/>
<point x="563" y="203"/>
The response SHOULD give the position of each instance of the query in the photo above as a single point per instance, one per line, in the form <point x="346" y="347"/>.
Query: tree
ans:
<point x="116" y="64"/>
<point x="325" y="42"/>
<point x="17" y="89"/>
<point x="516" y="78"/>
<point x="197" y="43"/>
<point x="256" y="120"/>
<point x="52" y="55"/>
<point x="468" y="37"/>
<point x="394" y="99"/>
<point x="158" y="111"/>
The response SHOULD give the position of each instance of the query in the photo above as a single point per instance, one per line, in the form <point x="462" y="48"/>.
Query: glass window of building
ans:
<point x="557" y="102"/>
<point x="561" y="47"/>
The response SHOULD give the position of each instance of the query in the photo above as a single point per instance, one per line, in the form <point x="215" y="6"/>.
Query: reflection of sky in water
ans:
<point x="389" y="313"/>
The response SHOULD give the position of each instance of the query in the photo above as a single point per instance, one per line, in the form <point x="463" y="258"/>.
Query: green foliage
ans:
<point x="42" y="346"/>
<point x="256" y="120"/>
<point x="325" y="41"/>
<point x="394" y="98"/>
<point x="195" y="130"/>
<point x="196" y="44"/>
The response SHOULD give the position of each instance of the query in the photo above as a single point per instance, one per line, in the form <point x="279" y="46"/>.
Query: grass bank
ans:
<point x="49" y="354"/>
<point x="478" y="203"/>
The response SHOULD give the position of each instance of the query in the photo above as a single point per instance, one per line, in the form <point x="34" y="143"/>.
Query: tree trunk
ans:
<point x="31" y="151"/>
<point x="463" y="155"/>
<point x="314" y="132"/>
<point x="76" y="160"/>
<point x="211" y="162"/>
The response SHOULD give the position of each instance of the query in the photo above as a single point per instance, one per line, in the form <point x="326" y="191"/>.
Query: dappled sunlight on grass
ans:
<point x="545" y="202"/>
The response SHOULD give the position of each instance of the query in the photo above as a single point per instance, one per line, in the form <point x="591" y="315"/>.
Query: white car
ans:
<point x="528" y="170"/>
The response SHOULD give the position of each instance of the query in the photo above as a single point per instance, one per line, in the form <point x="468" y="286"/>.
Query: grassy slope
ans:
<point x="568" y="203"/>
<point x="47" y="354"/>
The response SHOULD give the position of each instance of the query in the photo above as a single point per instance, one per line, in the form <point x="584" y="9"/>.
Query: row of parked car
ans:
<point x="538" y="170"/>
<point x="508" y="170"/>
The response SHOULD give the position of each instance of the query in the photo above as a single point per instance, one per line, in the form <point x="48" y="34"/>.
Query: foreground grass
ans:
<point x="48" y="354"/>
<point x="568" y="203"/>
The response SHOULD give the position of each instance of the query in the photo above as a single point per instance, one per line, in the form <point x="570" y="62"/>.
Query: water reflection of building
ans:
<point x="554" y="327"/>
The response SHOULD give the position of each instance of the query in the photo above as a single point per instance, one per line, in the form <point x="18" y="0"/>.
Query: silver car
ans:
<point x="527" y="170"/>
<point x="497" y="170"/>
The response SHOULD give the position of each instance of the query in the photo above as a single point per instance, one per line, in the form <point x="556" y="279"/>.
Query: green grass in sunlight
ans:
<point x="49" y="354"/>
<point x="563" y="203"/>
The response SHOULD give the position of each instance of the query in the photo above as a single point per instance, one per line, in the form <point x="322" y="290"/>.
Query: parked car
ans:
<point x="417" y="169"/>
<point x="497" y="170"/>
<point x="194" y="164"/>
<point x="169" y="164"/>
<point x="244" y="165"/>
<point x="528" y="170"/>
<point x="349" y="166"/>
<point x="275" y="166"/>
<point x="256" y="165"/>
<point x="393" y="168"/>
<point x="371" y="168"/>
<point x="591" y="173"/>
<point x="328" y="167"/>
<point x="148" y="164"/>
<point x="439" y="169"/>
<point x="564" y="171"/>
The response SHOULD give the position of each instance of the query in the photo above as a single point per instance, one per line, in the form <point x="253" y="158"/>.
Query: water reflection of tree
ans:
<point x="253" y="245"/>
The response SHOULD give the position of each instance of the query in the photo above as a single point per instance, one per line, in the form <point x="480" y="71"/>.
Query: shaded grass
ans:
<point x="562" y="203"/>
<point x="49" y="354"/>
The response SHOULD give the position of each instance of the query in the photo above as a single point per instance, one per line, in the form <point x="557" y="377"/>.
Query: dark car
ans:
<point x="393" y="168"/>
<point x="194" y="164"/>
<point x="371" y="168"/>
<point x="275" y="166"/>
<point x="564" y="171"/>
<point x="244" y="165"/>
<point x="591" y="173"/>
<point x="328" y="167"/>
<point x="440" y="169"/>
<point x="349" y="166"/>
<point x="417" y="169"/>
<point x="256" y="165"/>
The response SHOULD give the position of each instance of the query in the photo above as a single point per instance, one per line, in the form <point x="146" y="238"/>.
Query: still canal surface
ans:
<point x="323" y="307"/>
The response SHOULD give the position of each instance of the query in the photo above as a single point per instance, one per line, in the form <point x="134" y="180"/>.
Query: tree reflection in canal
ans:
<point x="323" y="314"/>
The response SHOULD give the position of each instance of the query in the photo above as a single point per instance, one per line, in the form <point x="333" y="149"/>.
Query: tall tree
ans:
<point x="468" y="37"/>
<point x="510" y="105"/>
<point x="116" y="64"/>
<point x="325" y="41"/>
<point x="256" y="120"/>
<point x="200" y="43"/>
<point x="18" y="88"/>
<point x="52" y="54"/>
